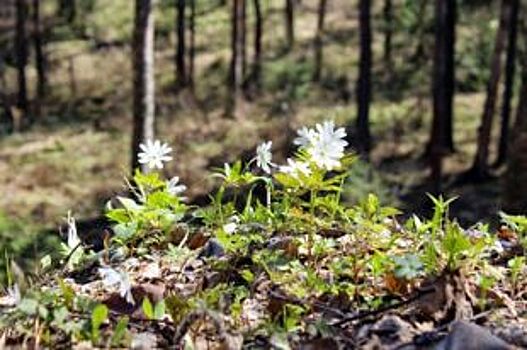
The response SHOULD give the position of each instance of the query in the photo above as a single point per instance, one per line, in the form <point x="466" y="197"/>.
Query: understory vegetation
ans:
<point x="276" y="260"/>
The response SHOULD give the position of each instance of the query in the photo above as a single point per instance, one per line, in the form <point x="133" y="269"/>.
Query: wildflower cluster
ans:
<point x="269" y="228"/>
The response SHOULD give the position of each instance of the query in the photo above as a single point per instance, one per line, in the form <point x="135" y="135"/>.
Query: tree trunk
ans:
<point x="21" y="58"/>
<point x="289" y="23"/>
<point x="319" y="40"/>
<point x="388" y="31"/>
<point x="258" y="31"/>
<point x="143" y="64"/>
<point x="363" y="83"/>
<point x="442" y="88"/>
<point x="40" y="60"/>
<point x="236" y="67"/>
<point x="181" y="73"/>
<point x="479" y="170"/>
<point x="244" y="39"/>
<point x="192" y="48"/>
<point x="509" y="83"/>
<point x="68" y="10"/>
<point x="515" y="184"/>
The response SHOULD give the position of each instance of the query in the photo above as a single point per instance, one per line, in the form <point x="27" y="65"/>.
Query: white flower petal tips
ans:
<point x="154" y="154"/>
<point x="264" y="156"/>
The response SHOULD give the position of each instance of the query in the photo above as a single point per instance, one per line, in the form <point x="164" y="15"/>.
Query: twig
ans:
<point x="298" y="301"/>
<point x="381" y="310"/>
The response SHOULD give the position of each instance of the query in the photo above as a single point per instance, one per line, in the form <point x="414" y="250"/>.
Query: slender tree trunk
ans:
<point x="181" y="72"/>
<point x="509" y="83"/>
<point x="192" y="48"/>
<point x="515" y="184"/>
<point x="441" y="136"/>
<point x="479" y="168"/>
<point x="289" y="23"/>
<point x="319" y="40"/>
<point x="8" y="119"/>
<point x="388" y="31"/>
<point x="21" y="58"/>
<point x="442" y="88"/>
<point x="258" y="31"/>
<point x="68" y="10"/>
<point x="143" y="64"/>
<point x="236" y="67"/>
<point x="363" y="83"/>
<point x="40" y="60"/>
<point x="244" y="39"/>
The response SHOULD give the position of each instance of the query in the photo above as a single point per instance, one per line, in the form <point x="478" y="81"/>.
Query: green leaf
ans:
<point x="28" y="306"/>
<point x="67" y="292"/>
<point x="148" y="310"/>
<point x="99" y="315"/>
<point x="119" y="332"/>
<point x="159" y="310"/>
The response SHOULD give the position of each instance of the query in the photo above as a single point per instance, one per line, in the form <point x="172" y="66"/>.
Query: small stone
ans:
<point x="212" y="248"/>
<point x="469" y="336"/>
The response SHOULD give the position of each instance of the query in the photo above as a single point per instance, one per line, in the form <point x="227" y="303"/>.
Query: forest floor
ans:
<point x="78" y="153"/>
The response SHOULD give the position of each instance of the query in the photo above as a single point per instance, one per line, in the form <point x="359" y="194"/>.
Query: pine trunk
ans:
<point x="442" y="88"/>
<point x="21" y="58"/>
<point x="515" y="184"/>
<point x="258" y="32"/>
<point x="319" y="40"/>
<point x="509" y="83"/>
<point x="192" y="48"/>
<point x="479" y="170"/>
<point x="363" y="83"/>
<point x="181" y="72"/>
<point x="40" y="62"/>
<point x="289" y="23"/>
<point x="236" y="67"/>
<point x="143" y="64"/>
<point x="388" y="32"/>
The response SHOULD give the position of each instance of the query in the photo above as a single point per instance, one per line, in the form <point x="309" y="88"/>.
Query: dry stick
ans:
<point x="365" y="314"/>
<point x="297" y="301"/>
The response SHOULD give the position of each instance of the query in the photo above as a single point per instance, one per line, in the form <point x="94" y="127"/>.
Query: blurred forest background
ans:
<point x="433" y="94"/>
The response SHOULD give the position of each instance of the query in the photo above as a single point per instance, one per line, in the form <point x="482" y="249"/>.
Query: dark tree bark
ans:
<point x="289" y="23"/>
<point x="236" y="67"/>
<point x="479" y="169"/>
<point x="515" y="184"/>
<point x="363" y="83"/>
<point x="21" y="58"/>
<point x="319" y="40"/>
<point x="244" y="39"/>
<point x="143" y="65"/>
<point x="68" y="10"/>
<point x="442" y="88"/>
<point x="192" y="48"/>
<point x="509" y="83"/>
<point x="388" y="32"/>
<point x="40" y="59"/>
<point x="258" y="32"/>
<point x="181" y="72"/>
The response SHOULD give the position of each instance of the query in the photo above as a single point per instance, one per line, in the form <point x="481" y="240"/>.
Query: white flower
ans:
<point x="295" y="168"/>
<point x="111" y="277"/>
<point x="327" y="147"/>
<point x="174" y="187"/>
<point x="264" y="156"/>
<point x="232" y="225"/>
<point x="154" y="154"/>
<point x="73" y="238"/>
<point x="13" y="293"/>
<point x="305" y="137"/>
